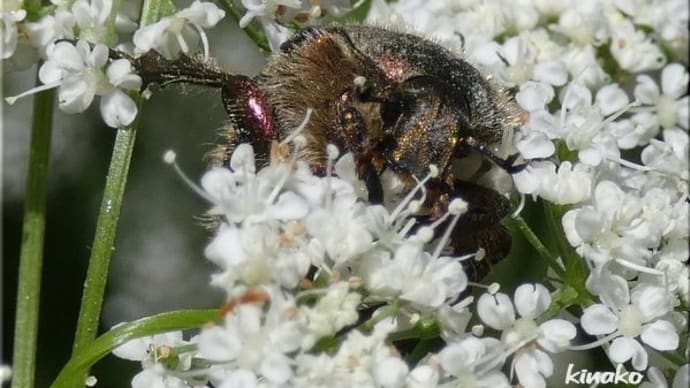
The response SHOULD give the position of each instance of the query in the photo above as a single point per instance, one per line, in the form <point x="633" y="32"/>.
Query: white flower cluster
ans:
<point x="605" y="86"/>
<point x="318" y="282"/>
<point x="273" y="15"/>
<point x="277" y="223"/>
<point x="83" y="69"/>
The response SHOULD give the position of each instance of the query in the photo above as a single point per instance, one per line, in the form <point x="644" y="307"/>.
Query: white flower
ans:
<point x="92" y="18"/>
<point x="117" y="108"/>
<point x="668" y="18"/>
<point x="657" y="379"/>
<point x="584" y="66"/>
<point x="176" y="33"/>
<point x="531" y="300"/>
<point x="584" y="22"/>
<point x="361" y="361"/>
<point x="50" y="28"/>
<point x="77" y="71"/>
<point x="633" y="50"/>
<point x="415" y="276"/>
<point x="335" y="310"/>
<point x="639" y="316"/>
<point x="157" y="378"/>
<point x="240" y="195"/>
<point x="513" y="62"/>
<point x="669" y="156"/>
<point x="256" y="341"/>
<point x="8" y="22"/>
<point x="341" y="227"/>
<point x="265" y="9"/>
<point x="669" y="107"/>
<point x="568" y="184"/>
<point x="586" y="121"/>
<point x="154" y="352"/>
<point x="615" y="225"/>
<point x="468" y="362"/>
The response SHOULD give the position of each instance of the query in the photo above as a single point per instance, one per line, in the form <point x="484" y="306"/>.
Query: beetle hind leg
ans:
<point x="249" y="113"/>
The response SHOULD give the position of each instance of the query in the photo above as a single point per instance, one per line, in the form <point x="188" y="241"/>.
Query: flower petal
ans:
<point x="496" y="310"/>
<point x="75" y="94"/>
<point x="531" y="300"/>
<point x="118" y="109"/>
<point x="624" y="348"/>
<point x="661" y="335"/>
<point x="674" y="80"/>
<point x="599" y="319"/>
<point x="555" y="335"/>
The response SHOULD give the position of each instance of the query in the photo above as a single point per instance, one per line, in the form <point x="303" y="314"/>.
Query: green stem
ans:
<point x="80" y="363"/>
<point x="258" y="36"/>
<point x="103" y="242"/>
<point x="106" y="225"/>
<point x="536" y="243"/>
<point x="31" y="256"/>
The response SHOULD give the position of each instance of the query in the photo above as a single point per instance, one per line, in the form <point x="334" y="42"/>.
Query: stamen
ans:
<point x="493" y="360"/>
<point x="425" y="234"/>
<point x="11" y="100"/>
<point x="332" y="154"/>
<point x="315" y="12"/>
<point x="629" y="164"/>
<point x="478" y="330"/>
<point x="493" y="288"/>
<point x="299" y="128"/>
<point x="441" y="220"/>
<point x="359" y="81"/>
<point x="414" y="206"/>
<point x="279" y="186"/>
<point x="457" y="208"/>
<point x="596" y="343"/>
<point x="520" y="207"/>
<point x="169" y="158"/>
<point x="406" y="229"/>
<point x="204" y="40"/>
<point x="433" y="172"/>
<point x="183" y="45"/>
<point x="622" y="110"/>
<point x="639" y="268"/>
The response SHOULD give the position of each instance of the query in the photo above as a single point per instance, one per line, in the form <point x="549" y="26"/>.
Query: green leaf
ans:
<point x="103" y="345"/>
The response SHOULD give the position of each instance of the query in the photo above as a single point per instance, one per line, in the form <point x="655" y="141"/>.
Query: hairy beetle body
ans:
<point x="398" y="102"/>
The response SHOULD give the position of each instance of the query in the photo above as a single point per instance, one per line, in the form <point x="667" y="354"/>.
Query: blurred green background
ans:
<point x="158" y="264"/>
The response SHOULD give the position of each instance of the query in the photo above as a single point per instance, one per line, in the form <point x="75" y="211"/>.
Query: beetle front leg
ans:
<point x="353" y="130"/>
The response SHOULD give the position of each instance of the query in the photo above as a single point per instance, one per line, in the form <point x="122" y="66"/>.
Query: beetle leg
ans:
<point x="250" y="116"/>
<point x="478" y="228"/>
<point x="469" y="142"/>
<point x="353" y="131"/>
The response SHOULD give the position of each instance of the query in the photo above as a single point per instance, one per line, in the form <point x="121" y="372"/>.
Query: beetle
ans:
<point x="395" y="100"/>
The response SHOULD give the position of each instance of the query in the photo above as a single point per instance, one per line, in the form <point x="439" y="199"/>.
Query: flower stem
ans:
<point x="103" y="242"/>
<point x="31" y="256"/>
<point x="95" y="350"/>
<point x="106" y="224"/>
<point x="536" y="243"/>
